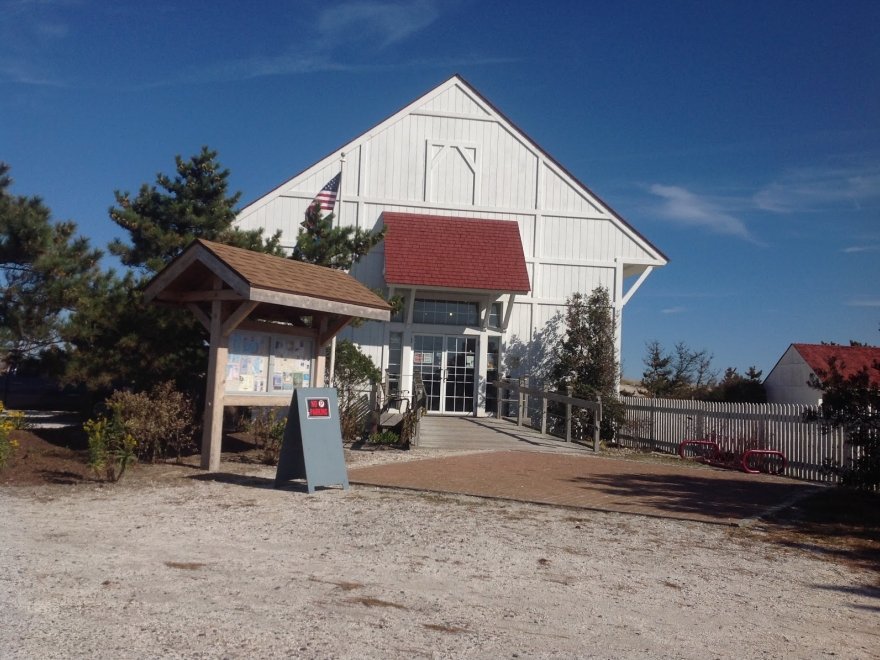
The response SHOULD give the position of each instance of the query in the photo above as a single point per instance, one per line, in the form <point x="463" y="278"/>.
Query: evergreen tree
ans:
<point x="657" y="377"/>
<point x="852" y="402"/>
<point x="319" y="242"/>
<point x="683" y="373"/>
<point x="164" y="218"/>
<point x="735" y="388"/>
<point x="45" y="271"/>
<point x="587" y="357"/>
<point x="121" y="340"/>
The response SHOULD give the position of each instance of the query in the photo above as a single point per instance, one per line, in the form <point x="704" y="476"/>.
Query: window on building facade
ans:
<point x="395" y="350"/>
<point x="399" y="315"/>
<point x="445" y="312"/>
<point x="495" y="315"/>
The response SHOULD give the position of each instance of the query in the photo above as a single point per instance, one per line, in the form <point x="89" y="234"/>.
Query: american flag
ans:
<point x="327" y="197"/>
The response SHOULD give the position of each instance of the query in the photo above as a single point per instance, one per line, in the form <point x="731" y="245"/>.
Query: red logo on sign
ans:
<point x="318" y="407"/>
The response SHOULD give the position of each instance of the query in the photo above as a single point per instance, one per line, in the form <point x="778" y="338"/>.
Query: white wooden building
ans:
<point x="471" y="290"/>
<point x="789" y="380"/>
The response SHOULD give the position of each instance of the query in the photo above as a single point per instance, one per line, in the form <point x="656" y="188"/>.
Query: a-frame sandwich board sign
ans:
<point x="312" y="446"/>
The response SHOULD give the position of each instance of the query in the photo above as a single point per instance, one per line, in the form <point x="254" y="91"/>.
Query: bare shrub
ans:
<point x="267" y="429"/>
<point x="161" y="420"/>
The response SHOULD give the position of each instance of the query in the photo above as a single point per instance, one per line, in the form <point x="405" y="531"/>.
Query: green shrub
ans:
<point x="355" y="375"/>
<point x="8" y="423"/>
<point x="111" y="447"/>
<point x="385" y="437"/>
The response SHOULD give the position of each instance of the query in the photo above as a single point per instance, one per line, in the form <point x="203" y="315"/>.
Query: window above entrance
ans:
<point x="445" y="312"/>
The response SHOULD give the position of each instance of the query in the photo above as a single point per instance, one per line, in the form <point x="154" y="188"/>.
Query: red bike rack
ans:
<point x="699" y="443"/>
<point x="763" y="452"/>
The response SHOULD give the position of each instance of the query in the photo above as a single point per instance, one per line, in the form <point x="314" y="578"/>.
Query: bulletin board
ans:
<point x="262" y="363"/>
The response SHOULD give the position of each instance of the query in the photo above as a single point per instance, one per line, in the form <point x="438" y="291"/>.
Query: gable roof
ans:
<point x="850" y="359"/>
<point x="456" y="253"/>
<point x="488" y="109"/>
<point x="265" y="278"/>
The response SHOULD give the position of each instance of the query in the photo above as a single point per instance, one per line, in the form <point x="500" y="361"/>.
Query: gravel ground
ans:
<point x="169" y="564"/>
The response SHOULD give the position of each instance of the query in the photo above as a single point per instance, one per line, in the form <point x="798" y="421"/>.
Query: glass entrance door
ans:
<point x="448" y="367"/>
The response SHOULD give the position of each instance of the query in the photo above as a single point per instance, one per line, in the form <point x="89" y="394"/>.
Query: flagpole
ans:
<point x="338" y="223"/>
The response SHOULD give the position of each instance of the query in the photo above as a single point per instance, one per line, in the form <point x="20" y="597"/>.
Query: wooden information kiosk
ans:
<point x="269" y="320"/>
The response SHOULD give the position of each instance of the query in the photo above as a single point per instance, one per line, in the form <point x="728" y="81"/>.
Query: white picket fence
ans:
<point x="661" y="424"/>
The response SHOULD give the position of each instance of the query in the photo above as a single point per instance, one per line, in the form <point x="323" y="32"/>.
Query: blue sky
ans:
<point x="742" y="138"/>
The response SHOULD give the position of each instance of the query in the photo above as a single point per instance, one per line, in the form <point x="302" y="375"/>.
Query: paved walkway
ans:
<point x="574" y="477"/>
<point x="457" y="433"/>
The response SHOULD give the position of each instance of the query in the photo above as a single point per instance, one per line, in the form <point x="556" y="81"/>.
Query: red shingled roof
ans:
<point x="455" y="253"/>
<point x="852" y="358"/>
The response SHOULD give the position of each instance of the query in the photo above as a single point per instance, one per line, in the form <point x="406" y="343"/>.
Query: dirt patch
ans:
<point x="47" y="456"/>
<point x="839" y="524"/>
<point x="166" y="564"/>
<point x="174" y="561"/>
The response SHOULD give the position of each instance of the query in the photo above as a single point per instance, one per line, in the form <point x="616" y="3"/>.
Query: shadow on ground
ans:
<point x="696" y="492"/>
<point x="250" y="481"/>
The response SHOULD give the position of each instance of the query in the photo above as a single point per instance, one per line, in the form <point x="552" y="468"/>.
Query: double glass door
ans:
<point x="448" y="367"/>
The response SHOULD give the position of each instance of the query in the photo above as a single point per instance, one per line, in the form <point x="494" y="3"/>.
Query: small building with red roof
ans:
<point x="487" y="236"/>
<point x="789" y="381"/>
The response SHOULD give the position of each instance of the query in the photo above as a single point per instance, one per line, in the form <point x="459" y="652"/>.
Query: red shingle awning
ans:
<point x="454" y="253"/>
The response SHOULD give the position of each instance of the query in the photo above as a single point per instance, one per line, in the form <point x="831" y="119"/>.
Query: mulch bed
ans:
<point x="48" y="456"/>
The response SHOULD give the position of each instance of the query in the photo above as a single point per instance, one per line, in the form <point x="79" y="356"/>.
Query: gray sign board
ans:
<point x="312" y="447"/>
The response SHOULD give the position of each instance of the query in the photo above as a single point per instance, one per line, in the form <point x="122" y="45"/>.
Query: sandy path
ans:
<point x="180" y="567"/>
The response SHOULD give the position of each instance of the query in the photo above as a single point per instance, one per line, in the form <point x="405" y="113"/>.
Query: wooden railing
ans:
<point x="523" y="393"/>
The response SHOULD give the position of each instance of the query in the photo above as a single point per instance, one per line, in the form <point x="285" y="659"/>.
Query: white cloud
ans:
<point x="367" y="26"/>
<point x="855" y="249"/>
<point x="685" y="208"/>
<point x="28" y="29"/>
<point x="383" y="23"/>
<point x="863" y="301"/>
<point x="816" y="189"/>
<point x="673" y="310"/>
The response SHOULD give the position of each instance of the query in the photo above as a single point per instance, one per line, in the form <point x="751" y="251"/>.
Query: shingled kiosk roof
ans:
<point x="261" y="278"/>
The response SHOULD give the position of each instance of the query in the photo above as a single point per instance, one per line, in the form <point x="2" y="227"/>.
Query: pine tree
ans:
<point x="164" y="218"/>
<point x="657" y="377"/>
<point x="121" y="340"/>
<point x="45" y="271"/>
<point x="684" y="373"/>
<point x="319" y="242"/>
<point x="851" y="402"/>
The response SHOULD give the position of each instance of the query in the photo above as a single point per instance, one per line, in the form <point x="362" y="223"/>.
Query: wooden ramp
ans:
<point x="457" y="433"/>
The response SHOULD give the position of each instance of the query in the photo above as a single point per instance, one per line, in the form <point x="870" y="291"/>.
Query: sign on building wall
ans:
<point x="261" y="363"/>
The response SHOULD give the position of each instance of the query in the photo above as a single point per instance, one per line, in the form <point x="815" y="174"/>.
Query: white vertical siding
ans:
<point x="789" y="381"/>
<point x="456" y="101"/>
<point x="574" y="238"/>
<point x="555" y="281"/>
<point x="559" y="195"/>
<point x="450" y="154"/>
